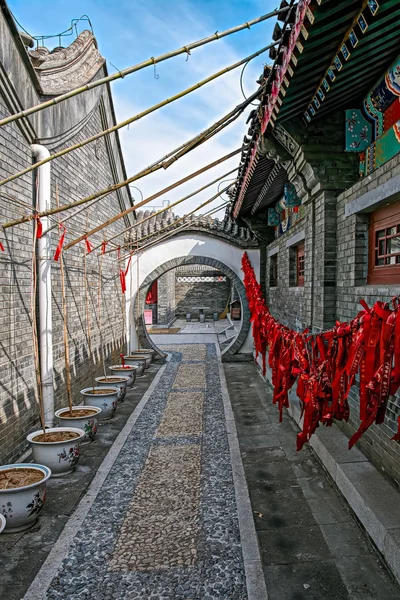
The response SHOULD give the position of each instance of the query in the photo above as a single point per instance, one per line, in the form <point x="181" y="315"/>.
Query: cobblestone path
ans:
<point x="164" y="524"/>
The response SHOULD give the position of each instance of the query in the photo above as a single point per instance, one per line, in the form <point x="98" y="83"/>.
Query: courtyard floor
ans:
<point x="196" y="492"/>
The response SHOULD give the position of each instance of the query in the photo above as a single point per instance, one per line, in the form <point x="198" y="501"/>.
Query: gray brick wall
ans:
<point x="336" y="264"/>
<point x="166" y="298"/>
<point x="352" y="266"/>
<point x="189" y="295"/>
<point x="77" y="175"/>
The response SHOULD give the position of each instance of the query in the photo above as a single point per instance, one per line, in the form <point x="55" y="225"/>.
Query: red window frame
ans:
<point x="300" y="265"/>
<point x="384" y="261"/>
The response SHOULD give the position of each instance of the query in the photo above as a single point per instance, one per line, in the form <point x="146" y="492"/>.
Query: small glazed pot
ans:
<point x="138" y="361"/>
<point x="146" y="354"/>
<point x="107" y="402"/>
<point x="114" y="381"/>
<point x="88" y="423"/>
<point x="61" y="457"/>
<point x="130" y="371"/>
<point x="21" y="506"/>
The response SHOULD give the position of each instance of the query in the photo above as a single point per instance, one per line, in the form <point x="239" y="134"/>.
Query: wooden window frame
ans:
<point x="382" y="219"/>
<point x="273" y="271"/>
<point x="300" y="265"/>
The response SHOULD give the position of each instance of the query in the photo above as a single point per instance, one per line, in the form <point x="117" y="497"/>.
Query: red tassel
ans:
<point x="1" y="247"/>
<point x="103" y="247"/>
<point x="89" y="246"/>
<point x="39" y="230"/>
<point x="122" y="279"/>
<point x="60" y="243"/>
<point x="122" y="360"/>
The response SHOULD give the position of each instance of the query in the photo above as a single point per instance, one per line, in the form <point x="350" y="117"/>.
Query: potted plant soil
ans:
<point x="102" y="397"/>
<point x="130" y="371"/>
<point x="58" y="448"/>
<point x="116" y="381"/>
<point x="22" y="495"/>
<point x="83" y="417"/>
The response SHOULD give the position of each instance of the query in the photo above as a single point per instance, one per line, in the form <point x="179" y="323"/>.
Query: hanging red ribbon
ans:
<point x="39" y="227"/>
<point x="103" y="247"/>
<point x="123" y="274"/>
<point x="1" y="247"/>
<point x="89" y="246"/>
<point x="325" y="365"/>
<point x="62" y="230"/>
<point x="122" y="360"/>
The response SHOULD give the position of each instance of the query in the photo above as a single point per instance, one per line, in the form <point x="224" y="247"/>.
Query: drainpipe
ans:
<point x="43" y="203"/>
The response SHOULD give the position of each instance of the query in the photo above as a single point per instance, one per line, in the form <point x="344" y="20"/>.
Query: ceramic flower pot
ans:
<point x="104" y="398"/>
<point x="130" y="371"/>
<point x="83" y="421"/>
<point x="119" y="382"/>
<point x="144" y="351"/>
<point x="137" y="361"/>
<point x="21" y="505"/>
<point x="60" y="456"/>
<point x="146" y="354"/>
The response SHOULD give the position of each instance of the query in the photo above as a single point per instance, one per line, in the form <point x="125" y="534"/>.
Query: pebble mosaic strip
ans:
<point x="190" y="376"/>
<point x="183" y="415"/>
<point x="161" y="526"/>
<point x="218" y="572"/>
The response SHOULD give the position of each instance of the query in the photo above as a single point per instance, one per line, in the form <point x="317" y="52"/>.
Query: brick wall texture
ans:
<point x="336" y="263"/>
<point x="76" y="175"/>
<point x="190" y="295"/>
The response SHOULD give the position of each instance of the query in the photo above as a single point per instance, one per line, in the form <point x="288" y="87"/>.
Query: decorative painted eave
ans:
<point x="326" y="66"/>
<point x="166" y="223"/>
<point x="269" y="100"/>
<point x="64" y="69"/>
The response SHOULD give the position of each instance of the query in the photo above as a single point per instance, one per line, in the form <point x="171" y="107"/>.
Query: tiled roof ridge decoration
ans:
<point x="270" y="98"/>
<point x="166" y="222"/>
<point x="349" y="42"/>
<point x="64" y="69"/>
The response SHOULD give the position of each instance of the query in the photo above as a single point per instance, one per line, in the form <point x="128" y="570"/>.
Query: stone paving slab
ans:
<point x="121" y="551"/>
<point x="312" y="547"/>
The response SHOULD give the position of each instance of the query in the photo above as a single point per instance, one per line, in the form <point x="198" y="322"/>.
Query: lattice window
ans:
<point x="273" y="271"/>
<point x="300" y="262"/>
<point x="384" y="242"/>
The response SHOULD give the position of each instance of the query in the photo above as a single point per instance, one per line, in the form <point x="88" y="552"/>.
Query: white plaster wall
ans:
<point x="188" y="245"/>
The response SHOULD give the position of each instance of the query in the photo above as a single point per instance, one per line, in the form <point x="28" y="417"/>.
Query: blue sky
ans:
<point x="129" y="31"/>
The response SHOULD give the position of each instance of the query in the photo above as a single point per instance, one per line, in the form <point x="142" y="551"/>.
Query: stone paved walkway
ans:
<point x="311" y="546"/>
<point x="164" y="523"/>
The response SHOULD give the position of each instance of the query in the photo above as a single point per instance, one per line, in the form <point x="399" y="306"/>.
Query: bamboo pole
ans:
<point x="99" y="309"/>
<point x="177" y="153"/>
<point x="147" y="63"/>
<point x="65" y="335"/>
<point x="175" y="222"/>
<point x="159" y="212"/>
<point x="135" y="118"/>
<point x="153" y="197"/>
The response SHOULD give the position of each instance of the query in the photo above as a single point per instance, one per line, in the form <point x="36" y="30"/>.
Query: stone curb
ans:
<point x="373" y="498"/>
<point x="255" y="582"/>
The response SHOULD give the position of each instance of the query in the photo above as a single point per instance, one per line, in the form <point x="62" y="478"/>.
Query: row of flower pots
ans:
<point x="56" y="451"/>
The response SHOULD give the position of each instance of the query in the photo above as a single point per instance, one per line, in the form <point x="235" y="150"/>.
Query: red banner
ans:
<point x="63" y="231"/>
<point x="325" y="364"/>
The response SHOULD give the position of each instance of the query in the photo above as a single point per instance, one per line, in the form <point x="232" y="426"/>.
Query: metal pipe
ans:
<point x="43" y="203"/>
